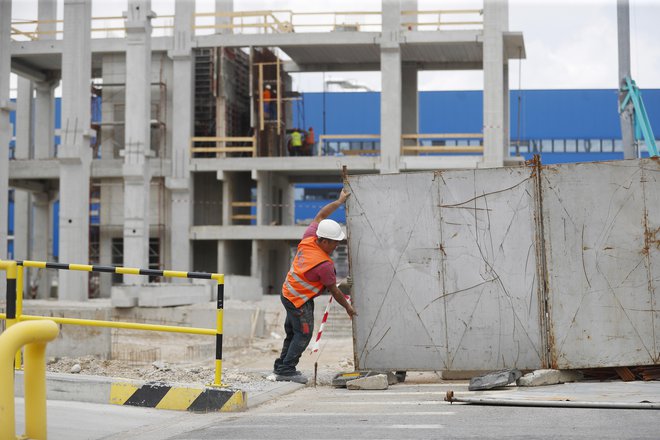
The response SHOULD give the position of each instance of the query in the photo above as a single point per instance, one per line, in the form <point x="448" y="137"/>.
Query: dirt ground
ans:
<point x="182" y="358"/>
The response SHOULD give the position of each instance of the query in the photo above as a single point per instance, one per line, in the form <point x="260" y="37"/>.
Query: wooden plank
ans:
<point x="443" y="149"/>
<point x="625" y="374"/>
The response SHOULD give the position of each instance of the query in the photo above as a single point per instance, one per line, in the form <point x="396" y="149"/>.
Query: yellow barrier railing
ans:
<point x="223" y="145"/>
<point x="263" y="22"/>
<point x="15" y="313"/>
<point x="34" y="336"/>
<point x="418" y="148"/>
<point x="323" y="139"/>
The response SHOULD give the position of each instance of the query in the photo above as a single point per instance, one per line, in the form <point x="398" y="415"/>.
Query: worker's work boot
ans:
<point x="297" y="378"/>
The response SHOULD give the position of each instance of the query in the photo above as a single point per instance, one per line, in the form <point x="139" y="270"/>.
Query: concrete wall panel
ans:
<point x="431" y="282"/>
<point x="601" y="223"/>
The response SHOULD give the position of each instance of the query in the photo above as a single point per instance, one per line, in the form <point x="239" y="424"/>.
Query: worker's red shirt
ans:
<point x="324" y="272"/>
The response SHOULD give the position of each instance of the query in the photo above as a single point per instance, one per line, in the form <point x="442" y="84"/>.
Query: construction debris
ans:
<point x="377" y="382"/>
<point x="494" y="380"/>
<point x="548" y="377"/>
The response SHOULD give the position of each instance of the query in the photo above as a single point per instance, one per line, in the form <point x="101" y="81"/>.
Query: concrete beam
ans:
<point x="25" y="70"/>
<point x="292" y="165"/>
<point x="247" y="232"/>
<point x="288" y="40"/>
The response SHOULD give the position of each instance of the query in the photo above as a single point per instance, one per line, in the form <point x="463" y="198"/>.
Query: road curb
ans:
<point x="118" y="391"/>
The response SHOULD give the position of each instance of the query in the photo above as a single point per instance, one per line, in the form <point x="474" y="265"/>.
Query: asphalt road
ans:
<point x="405" y="411"/>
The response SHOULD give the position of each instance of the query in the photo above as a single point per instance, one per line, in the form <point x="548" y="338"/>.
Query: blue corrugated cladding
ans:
<point x="545" y="114"/>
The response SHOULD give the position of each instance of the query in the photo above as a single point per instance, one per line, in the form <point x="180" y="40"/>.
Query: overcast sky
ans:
<point x="569" y="44"/>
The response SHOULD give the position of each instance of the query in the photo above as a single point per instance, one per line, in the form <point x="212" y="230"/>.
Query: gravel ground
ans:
<point x="246" y="367"/>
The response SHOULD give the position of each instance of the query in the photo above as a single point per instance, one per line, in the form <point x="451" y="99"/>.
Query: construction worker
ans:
<point x="312" y="271"/>
<point x="266" y="97"/>
<point x="296" y="143"/>
<point x="309" y="142"/>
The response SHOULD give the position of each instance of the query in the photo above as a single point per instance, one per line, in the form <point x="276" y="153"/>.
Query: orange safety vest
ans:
<point x="296" y="287"/>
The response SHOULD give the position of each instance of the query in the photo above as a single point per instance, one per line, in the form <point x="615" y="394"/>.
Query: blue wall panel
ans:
<point x="545" y="114"/>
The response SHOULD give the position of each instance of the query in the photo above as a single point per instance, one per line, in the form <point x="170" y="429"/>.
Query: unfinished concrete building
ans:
<point x="185" y="161"/>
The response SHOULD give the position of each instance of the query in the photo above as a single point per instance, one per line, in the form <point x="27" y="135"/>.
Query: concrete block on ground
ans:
<point x="75" y="340"/>
<point x="173" y="294"/>
<point x="566" y="376"/>
<point x="494" y="380"/>
<point x="548" y="377"/>
<point x="377" y="382"/>
<point x="538" y="378"/>
<point x="124" y="296"/>
<point x="243" y="288"/>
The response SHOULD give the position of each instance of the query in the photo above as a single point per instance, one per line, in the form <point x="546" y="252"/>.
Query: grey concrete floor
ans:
<point x="404" y="411"/>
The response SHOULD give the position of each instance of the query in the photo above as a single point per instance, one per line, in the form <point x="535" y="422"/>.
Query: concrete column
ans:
<point x="506" y="105"/>
<point x="5" y="128"/>
<point x="44" y="120"/>
<point x="410" y="105"/>
<point x="47" y="14"/>
<point x="223" y="6"/>
<point x="264" y="197"/>
<point x="75" y="152"/>
<point x="495" y="17"/>
<point x="44" y="148"/>
<point x="179" y="183"/>
<point x="23" y="152"/>
<point x="390" y="96"/>
<point x="41" y="240"/>
<point x="137" y="147"/>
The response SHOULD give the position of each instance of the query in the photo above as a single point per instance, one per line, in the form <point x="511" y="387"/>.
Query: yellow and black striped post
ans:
<point x="11" y="268"/>
<point x="218" y="336"/>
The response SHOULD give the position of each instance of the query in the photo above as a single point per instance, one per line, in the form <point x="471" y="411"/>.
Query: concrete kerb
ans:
<point x="173" y="396"/>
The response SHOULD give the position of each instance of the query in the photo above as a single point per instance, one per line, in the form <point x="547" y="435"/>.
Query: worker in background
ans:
<point x="296" y="143"/>
<point x="312" y="271"/>
<point x="309" y="142"/>
<point x="267" y="97"/>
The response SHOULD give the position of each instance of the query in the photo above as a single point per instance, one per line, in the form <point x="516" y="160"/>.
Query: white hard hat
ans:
<point x="268" y="86"/>
<point x="330" y="229"/>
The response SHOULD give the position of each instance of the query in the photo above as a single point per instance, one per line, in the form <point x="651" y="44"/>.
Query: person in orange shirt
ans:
<point x="312" y="272"/>
<point x="309" y="142"/>
<point x="266" y="97"/>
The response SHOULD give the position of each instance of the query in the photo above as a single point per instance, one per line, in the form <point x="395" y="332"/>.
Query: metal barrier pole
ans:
<point x="25" y="333"/>
<point x="19" y="309"/>
<point x="218" y="336"/>
<point x="10" y="267"/>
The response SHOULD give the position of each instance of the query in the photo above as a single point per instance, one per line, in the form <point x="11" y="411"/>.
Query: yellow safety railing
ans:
<point x="418" y="148"/>
<point x="15" y="314"/>
<point x="265" y="22"/>
<point x="34" y="336"/>
<point x="243" y="205"/>
<point x="323" y="139"/>
<point x="112" y="26"/>
<point x="226" y="144"/>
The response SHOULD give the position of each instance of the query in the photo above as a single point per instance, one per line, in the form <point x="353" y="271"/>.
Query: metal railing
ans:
<point x="15" y="302"/>
<point x="224" y="145"/>
<point x="33" y="336"/>
<point x="324" y="138"/>
<point x="418" y="148"/>
<point x="262" y="22"/>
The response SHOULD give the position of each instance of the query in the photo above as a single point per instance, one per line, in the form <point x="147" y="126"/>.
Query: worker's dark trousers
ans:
<point x="299" y="325"/>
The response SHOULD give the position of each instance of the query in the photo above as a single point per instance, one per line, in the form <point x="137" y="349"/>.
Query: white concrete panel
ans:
<point x="489" y="273"/>
<point x="394" y="251"/>
<point x="444" y="270"/>
<point x="601" y="223"/>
